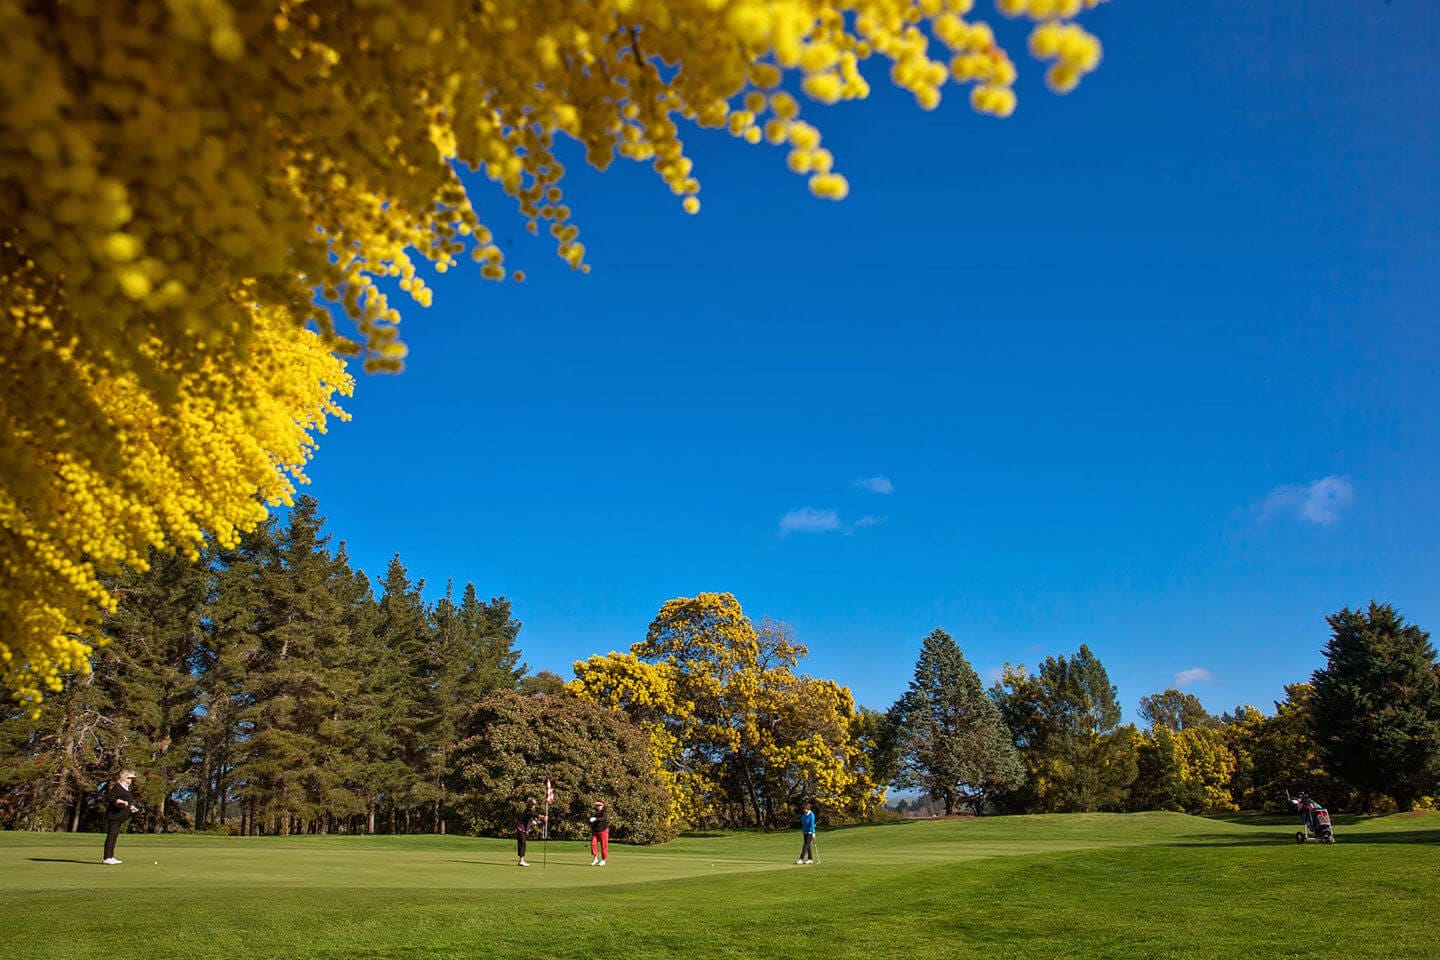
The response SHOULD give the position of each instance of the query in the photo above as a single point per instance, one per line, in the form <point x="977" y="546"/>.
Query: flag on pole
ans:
<point x="545" y="836"/>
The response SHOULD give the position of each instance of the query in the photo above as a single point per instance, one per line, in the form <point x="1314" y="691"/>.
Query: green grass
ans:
<point x="1144" y="885"/>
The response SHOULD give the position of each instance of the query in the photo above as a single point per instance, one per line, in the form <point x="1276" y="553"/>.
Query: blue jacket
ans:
<point x="807" y="821"/>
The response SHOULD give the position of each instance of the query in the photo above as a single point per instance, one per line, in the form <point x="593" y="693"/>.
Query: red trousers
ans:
<point x="600" y="844"/>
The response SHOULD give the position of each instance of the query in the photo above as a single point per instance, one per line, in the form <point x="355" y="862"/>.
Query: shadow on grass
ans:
<point x="92" y="863"/>
<point x="1270" y="839"/>
<point x="1255" y="819"/>
<point x="511" y="863"/>
<point x="1399" y="836"/>
<point x="1286" y="819"/>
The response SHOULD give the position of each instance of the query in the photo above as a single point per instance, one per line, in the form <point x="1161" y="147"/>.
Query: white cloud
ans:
<point x="1318" y="502"/>
<point x="809" y="520"/>
<point x="1185" y="678"/>
<point x="993" y="676"/>
<point x="876" y="485"/>
<point x="869" y="521"/>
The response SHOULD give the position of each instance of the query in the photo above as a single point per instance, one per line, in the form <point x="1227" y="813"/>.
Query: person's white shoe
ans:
<point x="524" y="864"/>
<point x="110" y="860"/>
<point x="809" y="861"/>
<point x="595" y="862"/>
<point x="799" y="863"/>
<point x="602" y="863"/>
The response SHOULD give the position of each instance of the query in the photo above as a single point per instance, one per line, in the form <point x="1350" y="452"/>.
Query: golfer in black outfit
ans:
<point x="119" y="804"/>
<point x="527" y="819"/>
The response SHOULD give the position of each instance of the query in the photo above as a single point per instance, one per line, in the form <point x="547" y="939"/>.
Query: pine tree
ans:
<point x="153" y="682"/>
<point x="1377" y="704"/>
<point x="222" y="734"/>
<point x="473" y="655"/>
<point x="51" y="762"/>
<point x="951" y="741"/>
<point x="369" y="766"/>
<point x="1065" y="721"/>
<point x="406" y="671"/>
<point x="1176" y="710"/>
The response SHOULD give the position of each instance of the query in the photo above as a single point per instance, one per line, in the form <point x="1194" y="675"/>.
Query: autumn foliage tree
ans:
<point x="193" y="189"/>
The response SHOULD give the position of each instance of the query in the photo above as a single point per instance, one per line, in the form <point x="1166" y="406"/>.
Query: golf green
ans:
<point x="1101" y="885"/>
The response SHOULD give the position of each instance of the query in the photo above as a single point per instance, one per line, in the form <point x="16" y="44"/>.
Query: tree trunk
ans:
<point x="203" y="796"/>
<point x="751" y="794"/>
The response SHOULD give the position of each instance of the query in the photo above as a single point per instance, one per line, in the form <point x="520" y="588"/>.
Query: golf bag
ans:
<point x="1315" y="817"/>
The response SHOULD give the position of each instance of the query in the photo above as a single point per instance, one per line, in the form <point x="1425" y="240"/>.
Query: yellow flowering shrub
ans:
<point x="185" y="183"/>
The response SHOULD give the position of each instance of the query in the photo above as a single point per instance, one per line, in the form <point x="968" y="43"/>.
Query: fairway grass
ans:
<point x="1082" y="886"/>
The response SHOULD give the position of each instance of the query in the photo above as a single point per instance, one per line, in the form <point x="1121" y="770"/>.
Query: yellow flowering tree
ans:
<point x="813" y="752"/>
<point x="190" y="185"/>
<point x="1190" y="770"/>
<point x="645" y="692"/>
<point x="754" y="738"/>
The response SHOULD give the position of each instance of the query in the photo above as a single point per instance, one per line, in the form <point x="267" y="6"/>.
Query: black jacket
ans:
<point x="598" y="823"/>
<point x="117" y="811"/>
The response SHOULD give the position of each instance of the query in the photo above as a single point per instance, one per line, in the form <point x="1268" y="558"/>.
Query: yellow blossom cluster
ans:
<point x="1075" y="51"/>
<point x="181" y="179"/>
<point x="97" y="470"/>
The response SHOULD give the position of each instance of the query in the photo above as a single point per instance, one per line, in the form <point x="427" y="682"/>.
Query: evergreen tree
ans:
<point x="1065" y="721"/>
<point x="406" y="674"/>
<point x="951" y="741"/>
<point x="1176" y="710"/>
<point x="545" y="683"/>
<point x="284" y="677"/>
<point x="153" y="680"/>
<point x="473" y="655"/>
<point x="222" y="733"/>
<point x="50" y="764"/>
<point x="488" y="633"/>
<point x="371" y="767"/>
<point x="266" y="685"/>
<point x="1284" y="757"/>
<point x="1377" y="704"/>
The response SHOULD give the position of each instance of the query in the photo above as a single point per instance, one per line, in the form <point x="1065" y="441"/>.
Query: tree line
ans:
<point x="266" y="689"/>
<point x="1363" y="733"/>
<point x="271" y="689"/>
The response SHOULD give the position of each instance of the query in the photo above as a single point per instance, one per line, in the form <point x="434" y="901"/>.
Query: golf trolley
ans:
<point x="1315" y="817"/>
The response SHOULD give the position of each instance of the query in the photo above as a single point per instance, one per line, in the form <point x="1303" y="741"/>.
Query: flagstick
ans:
<point x="545" y="829"/>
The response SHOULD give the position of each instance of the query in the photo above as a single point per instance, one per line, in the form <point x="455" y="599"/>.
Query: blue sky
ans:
<point x="1148" y="367"/>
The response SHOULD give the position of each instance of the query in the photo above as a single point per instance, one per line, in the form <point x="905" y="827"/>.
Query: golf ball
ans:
<point x="156" y="862"/>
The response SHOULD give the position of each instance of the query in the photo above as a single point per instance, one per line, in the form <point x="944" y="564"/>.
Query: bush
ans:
<point x="589" y="751"/>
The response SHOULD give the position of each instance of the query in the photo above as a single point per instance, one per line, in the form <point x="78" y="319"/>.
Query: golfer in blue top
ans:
<point x="807" y="829"/>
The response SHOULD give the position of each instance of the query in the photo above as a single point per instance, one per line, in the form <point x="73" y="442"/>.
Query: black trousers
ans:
<point x="805" y="853"/>
<point x="112" y="833"/>
<point x="520" y="845"/>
